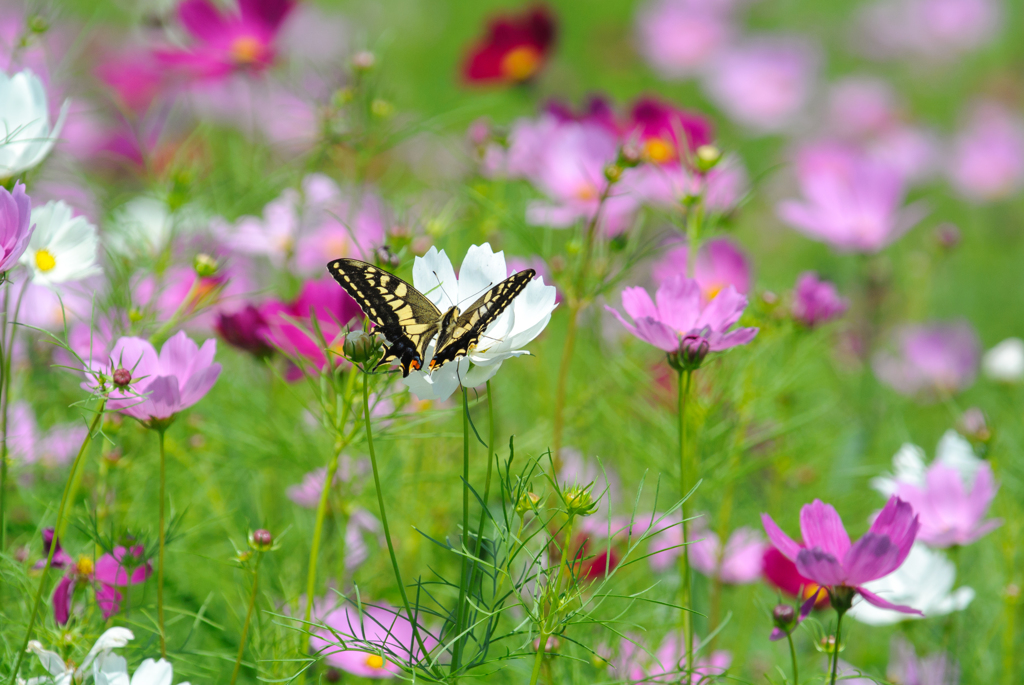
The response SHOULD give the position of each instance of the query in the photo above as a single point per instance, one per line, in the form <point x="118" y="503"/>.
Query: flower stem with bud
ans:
<point x="261" y="543"/>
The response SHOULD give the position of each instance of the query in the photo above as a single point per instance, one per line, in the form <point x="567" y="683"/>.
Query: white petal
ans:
<point x="114" y="638"/>
<point x="954" y="451"/>
<point x="481" y="270"/>
<point x="434" y="276"/>
<point x="1005" y="361"/>
<point x="110" y="669"/>
<point x="152" y="672"/>
<point x="51" y="661"/>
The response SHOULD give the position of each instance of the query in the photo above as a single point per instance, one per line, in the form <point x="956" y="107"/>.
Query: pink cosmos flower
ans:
<point x="227" y="42"/>
<point x="135" y="76"/>
<point x="950" y="496"/>
<point x="246" y="329"/>
<point x="782" y="573"/>
<point x="372" y="645"/>
<point x="668" y="186"/>
<point x="816" y="301"/>
<point x="162" y="384"/>
<point x="764" y="83"/>
<point x="666" y="134"/>
<point x="852" y="202"/>
<point x="720" y="263"/>
<point x="933" y="360"/>
<point x="906" y="668"/>
<point x="913" y="151"/>
<point x="634" y="664"/>
<point x="680" y="37"/>
<point x="738" y="564"/>
<point x="16" y="227"/>
<point x="936" y="30"/>
<point x="986" y="162"/>
<point x="861" y="106"/>
<point x="680" y="313"/>
<point x="829" y="559"/>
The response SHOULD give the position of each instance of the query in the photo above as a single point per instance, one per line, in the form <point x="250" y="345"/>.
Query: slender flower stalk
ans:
<point x="248" y="616"/>
<point x="5" y="399"/>
<point x="163" y="534"/>
<point x="61" y="511"/>
<point x="792" y="657"/>
<point x="835" y="648"/>
<point x="461" y="610"/>
<point x="685" y="579"/>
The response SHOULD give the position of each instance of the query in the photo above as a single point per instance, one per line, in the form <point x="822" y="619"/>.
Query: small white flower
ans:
<point x="113" y="670"/>
<point x="1005" y="361"/>
<point x="146" y="224"/>
<point x="924" y="582"/>
<point x="63" y="247"/>
<point x="525" y="318"/>
<point x="25" y="134"/>
<point x="60" y="674"/>
<point x="909" y="464"/>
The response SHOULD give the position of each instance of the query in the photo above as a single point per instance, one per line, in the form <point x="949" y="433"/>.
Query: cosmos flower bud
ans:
<point x="842" y="597"/>
<point x="947" y="235"/>
<point x="973" y="426"/>
<point x="382" y="109"/>
<point x="359" y="347"/>
<point x="629" y="156"/>
<point x="578" y="501"/>
<point x="364" y="60"/>
<point x="707" y="157"/>
<point x="205" y="265"/>
<point x="122" y="377"/>
<point x="527" y="502"/>
<point x="693" y="349"/>
<point x="38" y="24"/>
<point x="613" y="172"/>
<point x="784" y="617"/>
<point x="261" y="540"/>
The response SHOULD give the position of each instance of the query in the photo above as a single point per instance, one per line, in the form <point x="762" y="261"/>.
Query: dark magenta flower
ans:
<point x="246" y="329"/>
<point x="514" y="50"/>
<point x="932" y="360"/>
<point x="667" y="134"/>
<point x="225" y="43"/>
<point x="816" y="301"/>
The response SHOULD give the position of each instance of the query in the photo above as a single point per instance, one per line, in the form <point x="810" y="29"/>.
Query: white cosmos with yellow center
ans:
<point x="63" y="246"/>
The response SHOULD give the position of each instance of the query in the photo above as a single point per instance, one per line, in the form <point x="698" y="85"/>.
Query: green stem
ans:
<point x="685" y="580"/>
<point x="163" y="536"/>
<point x="248" y="617"/>
<point x="384" y="516"/>
<point x="461" y="610"/>
<point x="5" y="400"/>
<point x="835" y="652"/>
<point x="562" y="382"/>
<point x="792" y="656"/>
<point x="490" y="468"/>
<point x="538" y="660"/>
<point x="53" y="546"/>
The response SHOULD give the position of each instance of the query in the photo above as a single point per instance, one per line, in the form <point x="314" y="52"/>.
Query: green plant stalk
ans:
<point x="384" y="516"/>
<point x="835" y="651"/>
<point x="792" y="656"/>
<point x="685" y="580"/>
<point x="248" y="617"/>
<point x="5" y="400"/>
<point x="538" y="660"/>
<point x="461" y="607"/>
<point x="487" y="482"/>
<point x="53" y="547"/>
<point x="163" y="540"/>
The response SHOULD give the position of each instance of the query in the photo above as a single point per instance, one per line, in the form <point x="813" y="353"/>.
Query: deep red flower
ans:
<point x="782" y="573"/>
<point x="246" y="329"/>
<point x="594" y="558"/>
<point x="514" y="49"/>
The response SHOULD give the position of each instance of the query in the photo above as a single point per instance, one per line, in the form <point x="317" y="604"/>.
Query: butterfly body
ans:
<point x="409" y="321"/>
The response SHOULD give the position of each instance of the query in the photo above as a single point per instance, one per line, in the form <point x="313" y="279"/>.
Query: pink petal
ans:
<point x="872" y="557"/>
<point x="198" y="385"/>
<point x="108" y="599"/>
<point x="872" y="598"/>
<point x="638" y="303"/>
<point x="723" y="311"/>
<point x="821" y="527"/>
<point x="820" y="566"/>
<point x="177" y="355"/>
<point x="740" y="336"/>
<point x="202" y="19"/>
<point x="898" y="522"/>
<point x="679" y="303"/>
<point x="163" y="399"/>
<point x="62" y="595"/>
<point x="136" y="355"/>
<point x="780" y="540"/>
<point x="657" y="334"/>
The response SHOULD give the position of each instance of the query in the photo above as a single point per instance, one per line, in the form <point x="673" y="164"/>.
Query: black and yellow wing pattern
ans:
<point x="404" y="316"/>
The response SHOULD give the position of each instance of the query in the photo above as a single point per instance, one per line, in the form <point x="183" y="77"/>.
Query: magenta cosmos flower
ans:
<point x="852" y="201"/>
<point x="680" y="315"/>
<point x="930" y="361"/>
<point x="225" y="43"/>
<point x="828" y="558"/>
<point x="370" y="644"/>
<point x="986" y="162"/>
<point x="720" y="263"/>
<point x="816" y="301"/>
<point x="15" y="225"/>
<point x="161" y="384"/>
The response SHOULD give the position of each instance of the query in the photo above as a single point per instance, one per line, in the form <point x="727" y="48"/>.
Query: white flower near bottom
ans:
<point x="924" y="582"/>
<point x="1004" y="362"/>
<point x="25" y="133"/>
<point x="482" y="269"/>
<point x="63" y="246"/>
<point x="113" y="670"/>
<point x="60" y="674"/>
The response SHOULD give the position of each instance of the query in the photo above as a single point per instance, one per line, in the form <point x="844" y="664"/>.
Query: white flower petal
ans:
<point x="434" y="276"/>
<point x="1005" y="361"/>
<point x="481" y="270"/>
<point x="956" y="452"/>
<point x="152" y="672"/>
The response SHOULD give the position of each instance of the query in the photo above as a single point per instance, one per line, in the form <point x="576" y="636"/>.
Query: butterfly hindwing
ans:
<point x="456" y="338"/>
<point x="404" y="316"/>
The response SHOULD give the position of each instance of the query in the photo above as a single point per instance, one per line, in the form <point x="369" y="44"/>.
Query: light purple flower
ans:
<point x="934" y="30"/>
<point x="816" y="301"/>
<point x="906" y="668"/>
<point x="680" y="312"/>
<point x="720" y="263"/>
<point x="913" y="151"/>
<point x="829" y="559"/>
<point x="741" y="561"/>
<point x="370" y="645"/>
<point x="347" y="479"/>
<point x="15" y="225"/>
<point x="162" y="385"/>
<point x="763" y="83"/>
<point x="635" y="665"/>
<point x="667" y="185"/>
<point x="951" y="496"/>
<point x="932" y="360"/>
<point x="851" y="201"/>
<point x="22" y="433"/>
<point x="679" y="37"/>
<point x="860" y="106"/>
<point x="986" y="162"/>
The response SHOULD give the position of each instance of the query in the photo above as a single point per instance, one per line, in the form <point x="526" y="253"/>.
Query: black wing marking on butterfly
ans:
<point x="457" y="337"/>
<point x="404" y="315"/>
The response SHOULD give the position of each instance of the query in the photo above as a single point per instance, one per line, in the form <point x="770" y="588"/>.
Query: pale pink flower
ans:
<point x="720" y="263"/>
<point x="816" y="301"/>
<point x="347" y="480"/>
<point x="860" y="106"/>
<point x="680" y="37"/>
<point x="986" y="162"/>
<point x="739" y="563"/>
<point x="931" y="360"/>
<point x="906" y="668"/>
<point x="369" y="644"/>
<point x="635" y="665"/>
<point x="16" y="227"/>
<point x="935" y="30"/>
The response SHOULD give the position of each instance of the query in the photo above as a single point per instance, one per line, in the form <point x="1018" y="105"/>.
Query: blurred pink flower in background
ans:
<point x="860" y="106"/>
<point x="15" y="225"/>
<point x="738" y="564"/>
<point x="680" y="37"/>
<point x="763" y="83"/>
<point x="53" y="448"/>
<point x="816" y="301"/>
<point x="134" y="76"/>
<point x="829" y="559"/>
<point x="932" y="360"/>
<point x="950" y="496"/>
<point x="986" y="160"/>
<point x="852" y="202"/>
<point x="247" y="329"/>
<point x="720" y="263"/>
<point x="915" y="152"/>
<point x="226" y="42"/>
<point x="666" y="134"/>
<point x="938" y="30"/>
<point x="347" y="480"/>
<point x="22" y="432"/>
<point x="364" y="635"/>
<point x="635" y="664"/>
<point x="162" y="384"/>
<point x="668" y="186"/>
<point x="906" y="668"/>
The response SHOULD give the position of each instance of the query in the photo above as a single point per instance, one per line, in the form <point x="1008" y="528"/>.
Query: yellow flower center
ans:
<point x="521" y="63"/>
<point x="659" y="150"/>
<point x="712" y="290"/>
<point x="246" y="49"/>
<point x="84" y="566"/>
<point x="374" y="661"/>
<point x="45" y="260"/>
<point x="586" y="192"/>
<point x="810" y="590"/>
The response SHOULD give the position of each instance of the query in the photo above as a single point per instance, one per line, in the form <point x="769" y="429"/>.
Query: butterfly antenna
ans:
<point x="441" y="286"/>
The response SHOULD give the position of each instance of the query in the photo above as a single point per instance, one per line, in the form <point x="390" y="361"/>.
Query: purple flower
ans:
<point x="936" y="30"/>
<point x="720" y="263"/>
<point x="951" y="496"/>
<point x="679" y="37"/>
<point x="851" y="201"/>
<point x="861" y="106"/>
<point x="741" y="561"/>
<point x="680" y="312"/>
<point x="816" y="301"/>
<point x="15" y="225"/>
<point x="932" y="360"/>
<point x="829" y="559"/>
<point x="370" y="645"/>
<point x="986" y="162"/>
<point x="763" y="83"/>
<point x="246" y="329"/>
<point x="635" y="665"/>
<point x="61" y="559"/>
<point x="163" y="384"/>
<point x="907" y="669"/>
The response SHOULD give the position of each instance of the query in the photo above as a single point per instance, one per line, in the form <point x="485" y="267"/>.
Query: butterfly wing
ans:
<point x="456" y="340"/>
<point x="405" y="317"/>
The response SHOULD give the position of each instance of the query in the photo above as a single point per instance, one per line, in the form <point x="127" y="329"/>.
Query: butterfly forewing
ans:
<point x="457" y="341"/>
<point x="405" y="317"/>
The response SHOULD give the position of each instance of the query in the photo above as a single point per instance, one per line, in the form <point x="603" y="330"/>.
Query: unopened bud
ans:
<point x="381" y="108"/>
<point x="973" y="426"/>
<point x="613" y="172"/>
<point x="261" y="540"/>
<point x="205" y="265"/>
<point x="359" y="347"/>
<point x="342" y="97"/>
<point x="630" y="155"/>
<point x="947" y="235"/>
<point x="38" y="24"/>
<point x="707" y="157"/>
<point x="364" y="60"/>
<point x="333" y="675"/>
<point x="527" y="502"/>
<point x="122" y="377"/>
<point x="135" y="315"/>
<point x="842" y="598"/>
<point x="579" y="501"/>
<point x="784" y="616"/>
<point x="693" y="349"/>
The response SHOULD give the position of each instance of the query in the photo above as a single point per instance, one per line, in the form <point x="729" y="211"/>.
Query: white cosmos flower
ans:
<point x="1005" y="361"/>
<point x="525" y="318"/>
<point x="924" y="582"/>
<point x="909" y="466"/>
<point x="145" y="224"/>
<point x="62" y="248"/>
<point x="60" y="674"/>
<point x="25" y="134"/>
<point x="113" y="670"/>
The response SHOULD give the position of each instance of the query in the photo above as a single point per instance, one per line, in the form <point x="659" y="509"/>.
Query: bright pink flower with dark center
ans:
<point x="930" y="361"/>
<point x="816" y="301"/>
<point x="16" y="227"/>
<point x="226" y="43"/>
<point x="828" y="558"/>
<point x="720" y="263"/>
<point x="782" y="573"/>
<point x="515" y="49"/>
<point x="667" y="134"/>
